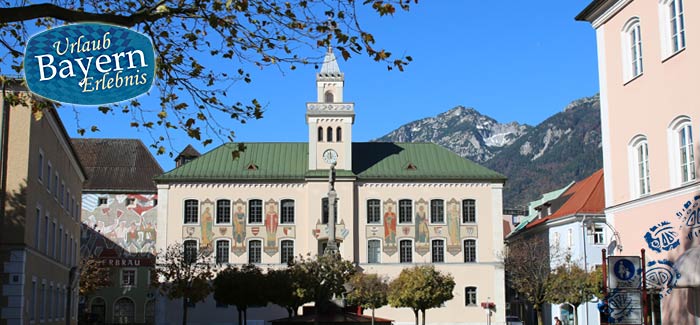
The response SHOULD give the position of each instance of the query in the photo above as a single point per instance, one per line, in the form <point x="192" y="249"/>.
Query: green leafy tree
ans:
<point x="571" y="284"/>
<point x="369" y="291"/>
<point x="321" y="278"/>
<point x="241" y="288"/>
<point x="282" y="289"/>
<point x="421" y="288"/>
<point x="94" y="275"/>
<point x="184" y="275"/>
<point x="527" y="266"/>
<point x="205" y="47"/>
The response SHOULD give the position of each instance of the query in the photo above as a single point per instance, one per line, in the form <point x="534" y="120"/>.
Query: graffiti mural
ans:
<point x="662" y="276"/>
<point x="272" y="221"/>
<point x="116" y="226"/>
<point x="239" y="228"/>
<point x="690" y="218"/>
<point x="662" y="237"/>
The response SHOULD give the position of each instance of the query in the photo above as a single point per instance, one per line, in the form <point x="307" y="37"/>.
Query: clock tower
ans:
<point x="330" y="119"/>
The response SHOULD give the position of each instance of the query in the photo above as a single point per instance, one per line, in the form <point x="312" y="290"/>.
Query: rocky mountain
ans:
<point x="462" y="130"/>
<point x="561" y="149"/>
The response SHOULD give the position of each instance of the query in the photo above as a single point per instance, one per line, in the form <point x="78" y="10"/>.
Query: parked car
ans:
<point x="513" y="320"/>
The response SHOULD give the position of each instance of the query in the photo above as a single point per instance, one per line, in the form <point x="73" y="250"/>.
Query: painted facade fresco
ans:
<point x="207" y="222"/>
<point x="272" y="221"/>
<point x="389" y="218"/>
<point x="118" y="226"/>
<point x="239" y="227"/>
<point x="454" y="245"/>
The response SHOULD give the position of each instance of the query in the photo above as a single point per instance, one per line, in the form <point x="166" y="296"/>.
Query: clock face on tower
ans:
<point x="330" y="156"/>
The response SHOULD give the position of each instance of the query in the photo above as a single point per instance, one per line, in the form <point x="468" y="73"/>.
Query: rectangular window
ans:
<point x="222" y="248"/>
<point x="102" y="201"/>
<point x="40" y="171"/>
<point x="48" y="177"/>
<point x="406" y="251"/>
<point x="55" y="186"/>
<point x="324" y="211"/>
<point x="255" y="212"/>
<point x="50" y="307"/>
<point x="374" y="212"/>
<point x="286" y="251"/>
<point x="223" y="211"/>
<point x="437" y="211"/>
<point x="60" y="237"/>
<point x="687" y="154"/>
<point x="37" y="229"/>
<point x="598" y="236"/>
<point x="570" y="238"/>
<point x="438" y="250"/>
<point x="287" y="216"/>
<point x="43" y="301"/>
<point x="677" y="25"/>
<point x="130" y="201"/>
<point x="468" y="211"/>
<point x="470" y="296"/>
<point x="405" y="211"/>
<point x="32" y="302"/>
<point x="190" y="254"/>
<point x="254" y="252"/>
<point x="128" y="277"/>
<point x="46" y="234"/>
<point x="53" y="239"/>
<point x="643" y="168"/>
<point x="65" y="247"/>
<point x="373" y="250"/>
<point x="61" y="192"/>
<point x="469" y="251"/>
<point x="191" y="211"/>
<point x="67" y="202"/>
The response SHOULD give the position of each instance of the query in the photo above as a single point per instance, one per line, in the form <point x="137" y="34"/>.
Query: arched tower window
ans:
<point x="338" y="134"/>
<point x="632" y="49"/>
<point x="329" y="97"/>
<point x="320" y="134"/>
<point x="329" y="134"/>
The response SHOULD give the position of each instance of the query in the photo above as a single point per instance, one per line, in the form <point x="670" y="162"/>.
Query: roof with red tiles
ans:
<point x="586" y="196"/>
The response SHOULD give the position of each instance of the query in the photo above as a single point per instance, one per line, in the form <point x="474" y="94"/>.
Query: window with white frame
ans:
<point x="598" y="235"/>
<point x="468" y="211"/>
<point x="405" y="211"/>
<point x="286" y="251"/>
<point x="438" y="250"/>
<point x="223" y="211"/>
<point x="672" y="26"/>
<point x="570" y="238"/>
<point x="374" y="247"/>
<point x="255" y="251"/>
<point x="190" y="251"/>
<point x="640" y="165"/>
<point x="470" y="296"/>
<point x="255" y="211"/>
<point x="191" y="211"/>
<point x="222" y="248"/>
<point x="406" y="251"/>
<point x="469" y="251"/>
<point x="374" y="211"/>
<point x="632" y="49"/>
<point x="686" y="152"/>
<point x="287" y="212"/>
<point x="128" y="277"/>
<point x="437" y="211"/>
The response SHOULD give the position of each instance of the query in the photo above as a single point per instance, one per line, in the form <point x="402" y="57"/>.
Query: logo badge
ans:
<point x="89" y="64"/>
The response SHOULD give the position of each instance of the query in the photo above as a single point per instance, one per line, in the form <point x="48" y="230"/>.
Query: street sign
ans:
<point x="625" y="307"/>
<point x="625" y="272"/>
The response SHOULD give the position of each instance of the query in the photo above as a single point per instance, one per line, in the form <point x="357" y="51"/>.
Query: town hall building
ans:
<point x="399" y="205"/>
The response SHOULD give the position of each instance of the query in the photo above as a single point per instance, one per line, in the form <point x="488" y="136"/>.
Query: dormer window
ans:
<point x="328" y="97"/>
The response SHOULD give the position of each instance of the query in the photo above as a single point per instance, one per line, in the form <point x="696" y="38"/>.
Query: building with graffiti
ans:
<point x="119" y="227"/>
<point x="399" y="204"/>
<point x="648" y="64"/>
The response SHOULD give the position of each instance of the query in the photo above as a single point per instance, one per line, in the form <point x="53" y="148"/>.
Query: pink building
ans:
<point x="649" y="69"/>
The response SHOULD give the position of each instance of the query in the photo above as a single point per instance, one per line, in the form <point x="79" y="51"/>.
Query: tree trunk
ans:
<point x="289" y="312"/>
<point x="423" y="316"/>
<point x="372" y="316"/>
<point x="415" y="312"/>
<point x="184" y="311"/>
<point x="538" y="311"/>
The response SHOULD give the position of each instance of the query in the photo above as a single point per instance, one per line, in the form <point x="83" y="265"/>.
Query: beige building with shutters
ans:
<point x="42" y="181"/>
<point x="399" y="205"/>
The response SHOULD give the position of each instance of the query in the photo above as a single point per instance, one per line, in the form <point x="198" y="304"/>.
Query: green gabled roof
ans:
<point x="289" y="161"/>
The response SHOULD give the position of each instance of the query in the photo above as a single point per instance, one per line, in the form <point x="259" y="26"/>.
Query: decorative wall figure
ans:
<point x="389" y="227"/>
<point x="454" y="246"/>
<point x="422" y="229"/>
<point x="207" y="221"/>
<point x="662" y="237"/>
<point x="271" y="223"/>
<point x="239" y="228"/>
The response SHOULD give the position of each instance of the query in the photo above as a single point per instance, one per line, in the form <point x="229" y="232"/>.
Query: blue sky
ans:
<point x="511" y="60"/>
